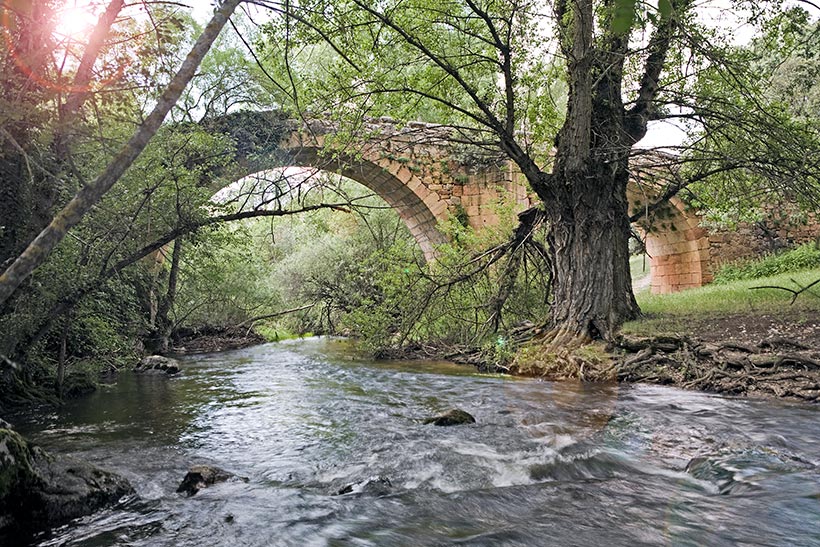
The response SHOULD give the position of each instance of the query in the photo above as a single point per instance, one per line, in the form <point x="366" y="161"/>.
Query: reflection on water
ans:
<point x="546" y="464"/>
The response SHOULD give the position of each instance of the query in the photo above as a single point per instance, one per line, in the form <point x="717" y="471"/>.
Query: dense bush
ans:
<point x="363" y="275"/>
<point x="803" y="257"/>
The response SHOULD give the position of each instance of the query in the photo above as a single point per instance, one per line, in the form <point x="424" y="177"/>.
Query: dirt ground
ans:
<point x="750" y="354"/>
<point x="801" y="326"/>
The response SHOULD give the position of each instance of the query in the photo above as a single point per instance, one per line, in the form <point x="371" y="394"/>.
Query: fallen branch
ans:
<point x="794" y="292"/>
<point x="253" y="320"/>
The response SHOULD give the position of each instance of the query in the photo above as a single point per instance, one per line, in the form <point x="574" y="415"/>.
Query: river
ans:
<point x="546" y="463"/>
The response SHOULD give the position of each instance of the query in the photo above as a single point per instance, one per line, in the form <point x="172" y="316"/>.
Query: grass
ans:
<point x="804" y="257"/>
<point x="672" y="312"/>
<point x="639" y="267"/>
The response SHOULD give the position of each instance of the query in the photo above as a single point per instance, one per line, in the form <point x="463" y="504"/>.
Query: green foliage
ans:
<point x="375" y="70"/>
<point x="225" y="279"/>
<point x="754" y="129"/>
<point x="464" y="298"/>
<point x="804" y="257"/>
<point x="339" y="262"/>
<point x="623" y="16"/>
<point x="787" y="49"/>
<point x="163" y="190"/>
<point x="362" y="274"/>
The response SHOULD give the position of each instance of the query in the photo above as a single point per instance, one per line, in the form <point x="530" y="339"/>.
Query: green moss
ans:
<point x="15" y="462"/>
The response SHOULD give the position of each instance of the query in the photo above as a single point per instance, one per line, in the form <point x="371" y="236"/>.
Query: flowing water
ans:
<point x="545" y="464"/>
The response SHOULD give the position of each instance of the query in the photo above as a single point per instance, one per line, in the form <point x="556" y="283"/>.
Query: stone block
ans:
<point x="431" y="198"/>
<point x="439" y="208"/>
<point x="404" y="174"/>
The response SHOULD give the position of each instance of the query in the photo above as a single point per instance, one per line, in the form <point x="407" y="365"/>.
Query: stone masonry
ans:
<point x="427" y="179"/>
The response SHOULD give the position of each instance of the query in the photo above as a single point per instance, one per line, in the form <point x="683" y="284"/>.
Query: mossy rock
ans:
<point x="454" y="416"/>
<point x="16" y="467"/>
<point x="38" y="490"/>
<point x="78" y="385"/>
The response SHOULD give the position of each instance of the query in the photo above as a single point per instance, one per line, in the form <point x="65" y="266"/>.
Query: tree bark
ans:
<point x="163" y="325"/>
<point x="585" y="195"/>
<point x="61" y="359"/>
<point x="589" y="235"/>
<point x="39" y="249"/>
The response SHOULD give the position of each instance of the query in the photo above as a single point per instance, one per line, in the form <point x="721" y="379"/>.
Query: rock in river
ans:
<point x="39" y="490"/>
<point x="374" y="486"/>
<point x="158" y="364"/>
<point x="454" y="416"/>
<point x="202" y="476"/>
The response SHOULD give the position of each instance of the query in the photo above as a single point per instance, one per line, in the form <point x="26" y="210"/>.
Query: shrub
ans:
<point x="804" y="257"/>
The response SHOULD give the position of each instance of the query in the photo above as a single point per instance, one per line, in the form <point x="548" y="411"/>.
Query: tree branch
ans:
<point x="39" y="249"/>
<point x="641" y="112"/>
<point x="71" y="300"/>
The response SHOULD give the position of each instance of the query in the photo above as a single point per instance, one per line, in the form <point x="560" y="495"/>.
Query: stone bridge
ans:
<point x="419" y="171"/>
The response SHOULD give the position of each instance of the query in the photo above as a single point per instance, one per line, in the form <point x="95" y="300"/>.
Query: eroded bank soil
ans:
<point x="745" y="354"/>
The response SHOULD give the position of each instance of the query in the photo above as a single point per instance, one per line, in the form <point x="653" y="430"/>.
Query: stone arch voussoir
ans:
<point x="419" y="207"/>
<point x="677" y="245"/>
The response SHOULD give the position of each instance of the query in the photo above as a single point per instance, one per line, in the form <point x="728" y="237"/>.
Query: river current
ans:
<point x="546" y="463"/>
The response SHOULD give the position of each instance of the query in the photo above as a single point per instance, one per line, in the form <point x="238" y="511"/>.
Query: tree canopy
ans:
<point x="564" y="89"/>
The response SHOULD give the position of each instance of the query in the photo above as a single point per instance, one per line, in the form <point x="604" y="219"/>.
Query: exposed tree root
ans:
<point x="778" y="368"/>
<point x="563" y="354"/>
<point x="774" y="367"/>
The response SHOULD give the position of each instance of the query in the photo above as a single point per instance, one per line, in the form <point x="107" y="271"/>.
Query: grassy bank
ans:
<point x="691" y="310"/>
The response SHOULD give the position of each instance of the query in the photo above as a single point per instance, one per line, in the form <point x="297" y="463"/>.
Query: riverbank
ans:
<point x="733" y="339"/>
<point x="211" y="339"/>
<point x="754" y="356"/>
<point x="755" y="337"/>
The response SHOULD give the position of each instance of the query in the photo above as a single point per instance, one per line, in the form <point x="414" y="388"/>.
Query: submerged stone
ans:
<point x="374" y="486"/>
<point x="202" y="476"/>
<point x="454" y="416"/>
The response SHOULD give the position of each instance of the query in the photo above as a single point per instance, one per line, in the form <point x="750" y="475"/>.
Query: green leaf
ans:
<point x="623" y="16"/>
<point x="665" y="7"/>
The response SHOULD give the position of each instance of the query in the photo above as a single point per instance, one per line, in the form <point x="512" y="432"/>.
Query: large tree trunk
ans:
<point x="589" y="235"/>
<point x="585" y="196"/>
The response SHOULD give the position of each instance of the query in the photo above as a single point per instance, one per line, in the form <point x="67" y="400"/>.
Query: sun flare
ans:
<point x="75" y="19"/>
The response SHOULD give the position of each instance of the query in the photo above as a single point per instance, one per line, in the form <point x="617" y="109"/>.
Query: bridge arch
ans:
<point x="678" y="247"/>
<point x="419" y="208"/>
<point x="415" y="169"/>
<point x="281" y="143"/>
